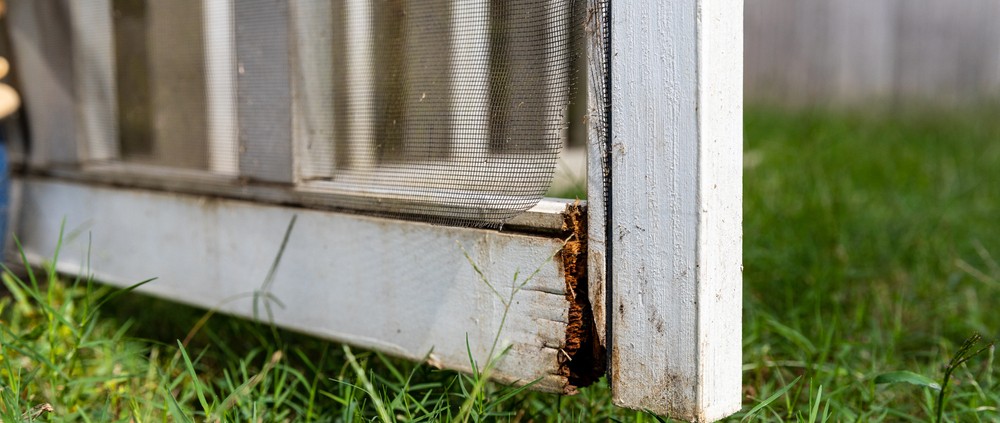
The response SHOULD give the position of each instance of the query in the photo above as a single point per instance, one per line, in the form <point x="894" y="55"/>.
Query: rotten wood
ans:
<point x="583" y="358"/>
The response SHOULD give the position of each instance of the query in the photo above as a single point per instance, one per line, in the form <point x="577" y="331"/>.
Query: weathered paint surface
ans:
<point x="676" y="207"/>
<point x="401" y="287"/>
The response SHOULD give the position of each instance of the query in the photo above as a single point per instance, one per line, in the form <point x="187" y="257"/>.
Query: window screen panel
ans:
<point x="451" y="109"/>
<point x="446" y="110"/>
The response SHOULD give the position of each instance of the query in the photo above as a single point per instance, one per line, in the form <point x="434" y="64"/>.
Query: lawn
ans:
<point x="871" y="246"/>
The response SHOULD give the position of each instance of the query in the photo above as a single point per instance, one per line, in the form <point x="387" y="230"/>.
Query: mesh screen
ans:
<point x="173" y="73"/>
<point x="160" y="68"/>
<point x="598" y="27"/>
<point x="443" y="110"/>
<point x="455" y="109"/>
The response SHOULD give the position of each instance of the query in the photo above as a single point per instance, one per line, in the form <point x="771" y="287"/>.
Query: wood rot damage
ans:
<point x="582" y="361"/>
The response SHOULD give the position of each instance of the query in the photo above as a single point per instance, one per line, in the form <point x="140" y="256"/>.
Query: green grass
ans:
<point x="872" y="252"/>
<point x="871" y="245"/>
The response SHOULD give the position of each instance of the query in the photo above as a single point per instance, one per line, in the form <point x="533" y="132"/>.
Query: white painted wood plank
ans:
<point x="401" y="287"/>
<point x="719" y="267"/>
<point x="676" y="207"/>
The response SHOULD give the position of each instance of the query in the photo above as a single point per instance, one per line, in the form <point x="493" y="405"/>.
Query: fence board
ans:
<point x="853" y="51"/>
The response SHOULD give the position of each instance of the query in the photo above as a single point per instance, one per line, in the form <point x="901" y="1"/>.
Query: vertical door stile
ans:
<point x="676" y="212"/>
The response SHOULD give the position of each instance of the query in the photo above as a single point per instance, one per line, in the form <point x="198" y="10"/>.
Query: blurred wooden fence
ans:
<point x="854" y="51"/>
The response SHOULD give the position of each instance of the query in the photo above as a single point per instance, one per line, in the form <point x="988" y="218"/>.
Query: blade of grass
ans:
<point x="367" y="387"/>
<point x="767" y="402"/>
<point x="198" y="387"/>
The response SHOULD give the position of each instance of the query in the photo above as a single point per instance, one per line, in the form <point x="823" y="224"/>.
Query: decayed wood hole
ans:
<point x="583" y="360"/>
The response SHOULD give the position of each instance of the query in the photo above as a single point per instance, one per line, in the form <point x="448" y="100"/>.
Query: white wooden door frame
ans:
<point x="663" y="244"/>
<point x="669" y="193"/>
